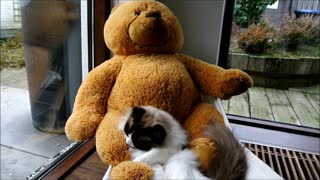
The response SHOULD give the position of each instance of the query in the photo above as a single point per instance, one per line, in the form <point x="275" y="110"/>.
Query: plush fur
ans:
<point x="144" y="72"/>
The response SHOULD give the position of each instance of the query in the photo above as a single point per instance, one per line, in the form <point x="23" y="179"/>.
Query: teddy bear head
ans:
<point x="145" y="26"/>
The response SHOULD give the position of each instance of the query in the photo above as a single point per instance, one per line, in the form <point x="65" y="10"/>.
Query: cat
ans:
<point x="156" y="138"/>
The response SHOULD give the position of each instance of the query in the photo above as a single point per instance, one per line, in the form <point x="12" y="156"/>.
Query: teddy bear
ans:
<point x="147" y="69"/>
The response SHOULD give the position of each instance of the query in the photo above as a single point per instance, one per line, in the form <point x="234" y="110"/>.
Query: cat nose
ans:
<point x="155" y="14"/>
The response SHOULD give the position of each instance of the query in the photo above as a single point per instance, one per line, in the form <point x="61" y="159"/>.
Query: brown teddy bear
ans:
<point x="147" y="69"/>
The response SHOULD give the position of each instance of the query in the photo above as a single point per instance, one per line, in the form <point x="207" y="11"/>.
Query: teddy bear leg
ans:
<point x="110" y="141"/>
<point x="129" y="170"/>
<point x="201" y="117"/>
<point x="113" y="150"/>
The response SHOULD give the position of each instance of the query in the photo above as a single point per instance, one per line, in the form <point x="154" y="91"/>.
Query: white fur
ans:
<point x="168" y="161"/>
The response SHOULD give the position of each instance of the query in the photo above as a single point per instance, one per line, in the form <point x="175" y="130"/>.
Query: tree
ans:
<point x="250" y="11"/>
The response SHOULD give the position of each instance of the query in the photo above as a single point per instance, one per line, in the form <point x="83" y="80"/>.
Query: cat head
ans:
<point x="145" y="129"/>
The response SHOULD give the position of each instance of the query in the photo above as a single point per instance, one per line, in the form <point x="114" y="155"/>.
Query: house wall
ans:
<point x="276" y="15"/>
<point x="7" y="25"/>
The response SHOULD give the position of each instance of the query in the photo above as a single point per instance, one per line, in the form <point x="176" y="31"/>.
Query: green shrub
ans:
<point x="291" y="33"/>
<point x="250" y="11"/>
<point x="310" y="26"/>
<point x="257" y="39"/>
<point x="12" y="53"/>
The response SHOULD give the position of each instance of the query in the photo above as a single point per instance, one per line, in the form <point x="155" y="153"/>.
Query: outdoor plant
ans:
<point x="257" y="38"/>
<point x="250" y="11"/>
<point x="291" y="33"/>
<point x="11" y="52"/>
<point x="310" y="26"/>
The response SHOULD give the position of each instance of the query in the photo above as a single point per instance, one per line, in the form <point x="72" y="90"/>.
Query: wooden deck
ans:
<point x="299" y="106"/>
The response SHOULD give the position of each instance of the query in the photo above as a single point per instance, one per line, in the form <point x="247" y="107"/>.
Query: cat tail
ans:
<point x="230" y="162"/>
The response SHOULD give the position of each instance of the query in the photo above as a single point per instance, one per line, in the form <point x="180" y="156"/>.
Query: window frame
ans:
<point x="249" y="121"/>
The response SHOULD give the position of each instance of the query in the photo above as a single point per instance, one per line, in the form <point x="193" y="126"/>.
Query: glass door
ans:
<point x="41" y="70"/>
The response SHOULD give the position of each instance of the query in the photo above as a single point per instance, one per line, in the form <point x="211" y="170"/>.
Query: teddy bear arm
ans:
<point x="215" y="81"/>
<point x="91" y="101"/>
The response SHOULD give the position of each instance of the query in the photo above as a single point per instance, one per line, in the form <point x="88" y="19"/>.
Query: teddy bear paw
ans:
<point x="132" y="170"/>
<point x="235" y="82"/>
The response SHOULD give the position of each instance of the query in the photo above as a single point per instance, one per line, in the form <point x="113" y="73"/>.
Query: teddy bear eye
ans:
<point x="137" y="13"/>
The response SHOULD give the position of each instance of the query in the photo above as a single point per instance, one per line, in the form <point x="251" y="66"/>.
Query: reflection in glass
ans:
<point x="46" y="28"/>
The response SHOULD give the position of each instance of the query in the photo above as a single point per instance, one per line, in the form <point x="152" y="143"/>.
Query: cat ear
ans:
<point x="158" y="134"/>
<point x="137" y="113"/>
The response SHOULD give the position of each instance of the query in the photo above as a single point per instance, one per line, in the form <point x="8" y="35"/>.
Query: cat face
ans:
<point x="144" y="130"/>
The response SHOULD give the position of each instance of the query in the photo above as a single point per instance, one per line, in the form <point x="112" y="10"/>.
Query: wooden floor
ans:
<point x="91" y="168"/>
<point x="299" y="106"/>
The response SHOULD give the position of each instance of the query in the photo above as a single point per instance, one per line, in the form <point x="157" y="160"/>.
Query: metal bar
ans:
<point x="285" y="164"/>
<point x="277" y="161"/>
<point x="262" y="153"/>
<point x="316" y="162"/>
<point x="306" y="166"/>
<point x="256" y="150"/>
<point x="297" y="164"/>
<point x="270" y="158"/>
<point x="293" y="170"/>
<point x="313" y="170"/>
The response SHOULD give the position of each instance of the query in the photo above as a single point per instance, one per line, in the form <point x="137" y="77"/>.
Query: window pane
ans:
<point x="281" y="53"/>
<point x="40" y="74"/>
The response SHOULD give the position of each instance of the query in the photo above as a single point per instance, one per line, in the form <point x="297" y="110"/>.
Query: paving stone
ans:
<point x="17" y="130"/>
<point x="16" y="78"/>
<point x="16" y="164"/>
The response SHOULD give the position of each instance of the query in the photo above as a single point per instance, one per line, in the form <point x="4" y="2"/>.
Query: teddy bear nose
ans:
<point x="155" y="14"/>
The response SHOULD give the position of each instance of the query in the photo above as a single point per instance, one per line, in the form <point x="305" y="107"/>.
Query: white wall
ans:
<point x="6" y="15"/>
<point x="201" y="21"/>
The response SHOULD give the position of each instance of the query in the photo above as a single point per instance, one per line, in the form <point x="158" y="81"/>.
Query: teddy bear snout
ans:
<point x="155" y="14"/>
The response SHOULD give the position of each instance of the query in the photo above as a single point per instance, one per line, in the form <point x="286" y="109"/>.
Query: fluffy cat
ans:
<point x="156" y="138"/>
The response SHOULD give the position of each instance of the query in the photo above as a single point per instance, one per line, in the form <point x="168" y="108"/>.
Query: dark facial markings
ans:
<point x="137" y="113"/>
<point x="143" y="138"/>
<point x="147" y="138"/>
<point x="132" y="124"/>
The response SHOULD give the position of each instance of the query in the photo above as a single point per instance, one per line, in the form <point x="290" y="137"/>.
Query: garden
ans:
<point x="12" y="53"/>
<point x="277" y="56"/>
